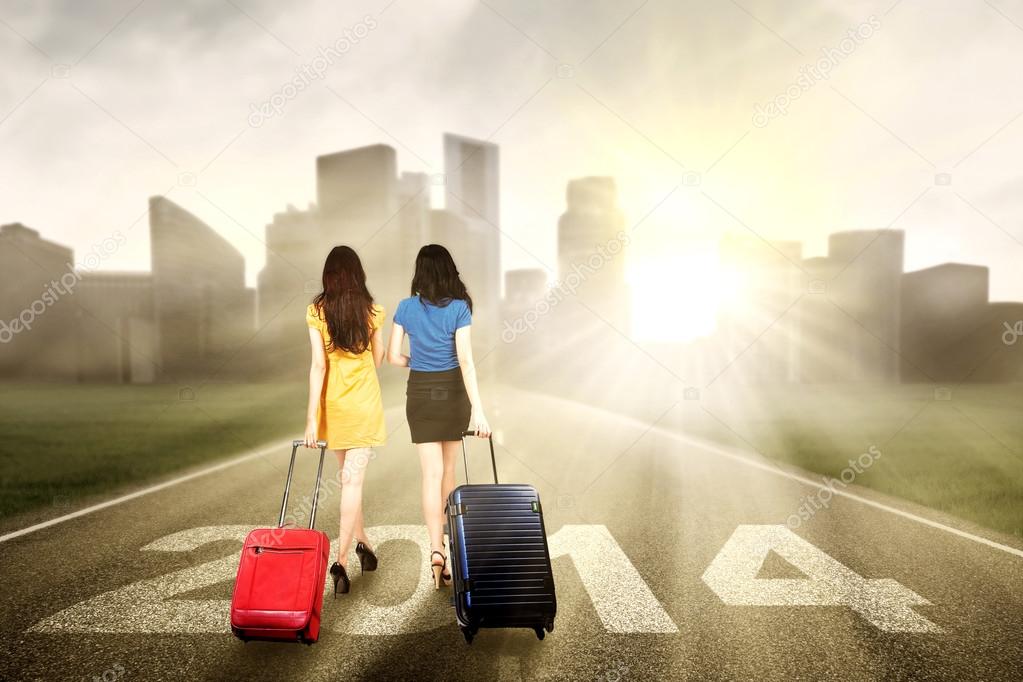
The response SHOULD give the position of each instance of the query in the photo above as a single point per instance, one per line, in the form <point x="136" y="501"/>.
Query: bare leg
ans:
<point x="360" y="532"/>
<point x="359" y="457"/>
<point x="451" y="450"/>
<point x="432" y="464"/>
<point x="353" y="473"/>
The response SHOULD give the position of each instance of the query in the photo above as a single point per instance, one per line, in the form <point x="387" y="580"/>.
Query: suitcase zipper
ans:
<point x="259" y="549"/>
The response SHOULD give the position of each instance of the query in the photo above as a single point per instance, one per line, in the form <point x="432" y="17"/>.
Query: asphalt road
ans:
<point x="673" y="561"/>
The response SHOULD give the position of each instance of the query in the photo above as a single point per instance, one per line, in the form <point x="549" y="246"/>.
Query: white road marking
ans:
<point x="622" y="600"/>
<point x="421" y="611"/>
<point x="746" y="460"/>
<point x="148" y="606"/>
<point x="884" y="602"/>
<point x="139" y="493"/>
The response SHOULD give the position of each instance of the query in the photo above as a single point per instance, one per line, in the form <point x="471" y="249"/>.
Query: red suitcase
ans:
<point x="278" y="593"/>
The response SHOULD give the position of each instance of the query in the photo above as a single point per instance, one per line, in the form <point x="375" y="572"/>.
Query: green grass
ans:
<point x="60" y="444"/>
<point x="962" y="456"/>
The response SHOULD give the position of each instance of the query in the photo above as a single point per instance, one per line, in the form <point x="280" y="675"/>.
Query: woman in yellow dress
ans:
<point x="345" y="408"/>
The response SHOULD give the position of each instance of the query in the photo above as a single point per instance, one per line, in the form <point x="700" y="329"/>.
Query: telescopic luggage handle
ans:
<point x="295" y="445"/>
<point x="465" y="460"/>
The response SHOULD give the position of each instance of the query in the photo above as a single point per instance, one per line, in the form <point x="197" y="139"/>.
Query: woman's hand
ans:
<point x="482" y="425"/>
<point x="311" y="429"/>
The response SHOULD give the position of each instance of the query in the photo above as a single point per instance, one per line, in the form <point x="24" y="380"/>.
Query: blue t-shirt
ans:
<point x="431" y="332"/>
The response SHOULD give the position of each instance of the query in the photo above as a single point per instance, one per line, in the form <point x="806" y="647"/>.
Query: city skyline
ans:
<point x="364" y="196"/>
<point x="558" y="97"/>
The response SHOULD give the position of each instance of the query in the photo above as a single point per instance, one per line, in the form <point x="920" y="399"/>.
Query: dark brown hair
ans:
<point x="345" y="303"/>
<point x="436" y="278"/>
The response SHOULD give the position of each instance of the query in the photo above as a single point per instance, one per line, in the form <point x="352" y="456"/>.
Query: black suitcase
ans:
<point x="499" y="557"/>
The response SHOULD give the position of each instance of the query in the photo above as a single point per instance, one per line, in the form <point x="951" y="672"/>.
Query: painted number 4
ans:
<point x="732" y="575"/>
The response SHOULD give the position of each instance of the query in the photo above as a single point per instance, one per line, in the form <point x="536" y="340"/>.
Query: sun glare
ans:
<point x="676" y="297"/>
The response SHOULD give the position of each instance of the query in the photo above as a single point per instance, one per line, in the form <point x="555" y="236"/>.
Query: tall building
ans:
<point x="355" y="192"/>
<point x="402" y="238"/>
<point x="202" y="309"/>
<point x="821" y="326"/>
<point x="867" y="288"/>
<point x="359" y="206"/>
<point x="943" y="306"/>
<point x="295" y="249"/>
<point x="998" y="344"/>
<point x="294" y="260"/>
<point x="472" y="175"/>
<point x="117" y="339"/>
<point x="756" y="329"/>
<point x="591" y="252"/>
<point x="414" y="219"/>
<point x="37" y="307"/>
<point x="469" y="226"/>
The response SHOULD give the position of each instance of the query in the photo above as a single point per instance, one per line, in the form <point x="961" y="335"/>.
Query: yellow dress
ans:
<point x="351" y="413"/>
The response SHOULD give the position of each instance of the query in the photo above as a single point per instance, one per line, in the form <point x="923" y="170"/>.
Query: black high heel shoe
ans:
<point x="340" y="575"/>
<point x="367" y="559"/>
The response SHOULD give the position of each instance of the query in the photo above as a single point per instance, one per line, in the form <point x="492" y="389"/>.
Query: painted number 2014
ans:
<point x="621" y="599"/>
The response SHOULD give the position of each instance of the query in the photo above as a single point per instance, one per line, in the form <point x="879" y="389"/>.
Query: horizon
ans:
<point x="686" y="127"/>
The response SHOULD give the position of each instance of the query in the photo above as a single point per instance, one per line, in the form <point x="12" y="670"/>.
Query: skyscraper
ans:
<point x="203" y="311"/>
<point x="591" y="251"/>
<point x="942" y="308"/>
<point x="116" y="336"/>
<point x="355" y="192"/>
<point x="36" y="320"/>
<point x="472" y="178"/>
<point x="822" y="327"/>
<point x="359" y="203"/>
<point x="295" y="248"/>
<point x="867" y="289"/>
<point x="470" y="226"/>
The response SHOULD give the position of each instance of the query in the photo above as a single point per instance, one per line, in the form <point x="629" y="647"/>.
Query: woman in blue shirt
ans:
<point x="442" y="391"/>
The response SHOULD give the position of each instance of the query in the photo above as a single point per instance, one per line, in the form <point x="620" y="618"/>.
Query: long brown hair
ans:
<point x="345" y="303"/>
<point x="436" y="279"/>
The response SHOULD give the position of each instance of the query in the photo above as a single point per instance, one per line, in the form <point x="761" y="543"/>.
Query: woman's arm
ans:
<point x="376" y="342"/>
<point x="463" y="348"/>
<point x="394" y="354"/>
<point x="317" y="372"/>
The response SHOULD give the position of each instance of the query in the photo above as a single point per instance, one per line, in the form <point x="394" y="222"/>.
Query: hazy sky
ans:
<point x="103" y="104"/>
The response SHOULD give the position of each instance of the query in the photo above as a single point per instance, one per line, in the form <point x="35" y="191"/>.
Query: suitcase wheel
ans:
<point x="549" y="627"/>
<point x="468" y="633"/>
<point x="539" y="633"/>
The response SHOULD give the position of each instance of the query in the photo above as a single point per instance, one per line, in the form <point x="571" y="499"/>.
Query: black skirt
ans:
<point x="437" y="407"/>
